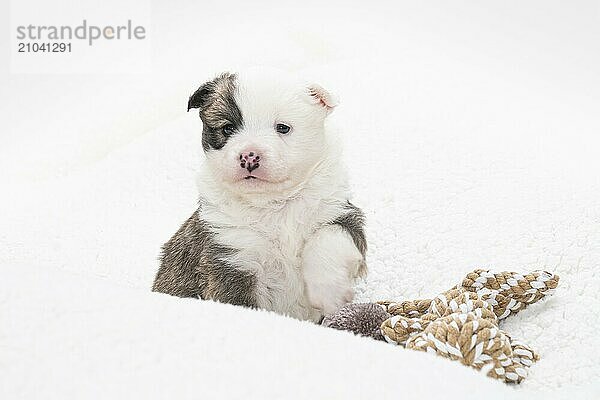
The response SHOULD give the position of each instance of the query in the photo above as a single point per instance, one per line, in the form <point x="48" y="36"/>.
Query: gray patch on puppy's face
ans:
<point x="218" y="110"/>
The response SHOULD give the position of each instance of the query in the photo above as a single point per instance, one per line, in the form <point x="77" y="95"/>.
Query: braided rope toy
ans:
<point x="459" y="324"/>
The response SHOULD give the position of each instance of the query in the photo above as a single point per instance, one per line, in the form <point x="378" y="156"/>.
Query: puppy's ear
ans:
<point x="322" y="97"/>
<point x="201" y="97"/>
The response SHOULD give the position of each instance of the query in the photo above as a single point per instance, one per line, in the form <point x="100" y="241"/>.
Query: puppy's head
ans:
<point x="263" y="131"/>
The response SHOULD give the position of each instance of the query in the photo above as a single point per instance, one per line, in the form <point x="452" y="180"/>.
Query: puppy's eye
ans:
<point x="228" y="129"/>
<point x="282" y="128"/>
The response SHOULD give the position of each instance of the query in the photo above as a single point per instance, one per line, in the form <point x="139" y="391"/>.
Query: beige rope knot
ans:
<point x="412" y="308"/>
<point x="459" y="301"/>
<point x="462" y="323"/>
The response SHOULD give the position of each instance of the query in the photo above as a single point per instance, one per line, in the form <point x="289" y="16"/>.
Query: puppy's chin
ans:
<point x="267" y="188"/>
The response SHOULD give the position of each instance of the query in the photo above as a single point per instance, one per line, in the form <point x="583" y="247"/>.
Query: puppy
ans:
<point x="274" y="228"/>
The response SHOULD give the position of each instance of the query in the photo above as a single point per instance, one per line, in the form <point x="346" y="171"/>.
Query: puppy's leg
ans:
<point x="331" y="262"/>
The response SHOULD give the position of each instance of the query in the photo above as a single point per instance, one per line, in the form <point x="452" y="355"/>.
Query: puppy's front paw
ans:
<point x="331" y="262"/>
<point x="328" y="298"/>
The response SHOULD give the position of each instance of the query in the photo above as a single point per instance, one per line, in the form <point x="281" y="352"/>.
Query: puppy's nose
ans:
<point x="249" y="160"/>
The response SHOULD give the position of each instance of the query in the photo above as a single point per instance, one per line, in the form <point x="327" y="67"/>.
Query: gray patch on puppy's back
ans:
<point x="352" y="220"/>
<point x="216" y="101"/>
<point x="192" y="266"/>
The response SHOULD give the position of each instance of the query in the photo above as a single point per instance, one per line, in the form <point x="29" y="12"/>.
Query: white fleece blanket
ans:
<point x="459" y="161"/>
